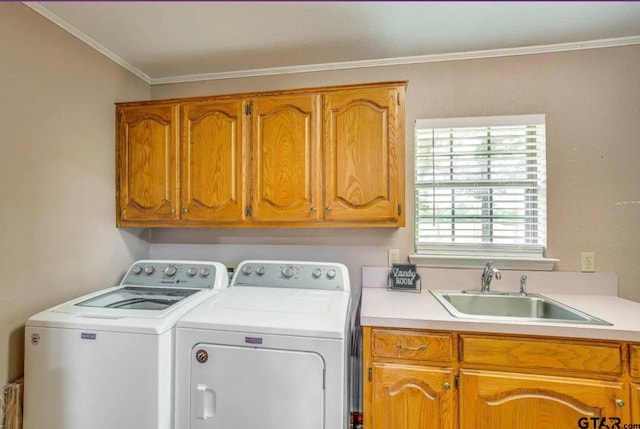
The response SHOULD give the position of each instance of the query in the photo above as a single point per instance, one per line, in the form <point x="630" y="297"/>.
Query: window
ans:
<point x="480" y="187"/>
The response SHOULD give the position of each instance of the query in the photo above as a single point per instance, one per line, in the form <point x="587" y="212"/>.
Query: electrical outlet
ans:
<point x="588" y="262"/>
<point x="393" y="256"/>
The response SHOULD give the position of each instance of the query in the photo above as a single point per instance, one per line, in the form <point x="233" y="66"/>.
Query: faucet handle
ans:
<point x="523" y="284"/>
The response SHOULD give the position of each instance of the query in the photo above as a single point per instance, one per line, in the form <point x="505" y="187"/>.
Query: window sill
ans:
<point x="448" y="261"/>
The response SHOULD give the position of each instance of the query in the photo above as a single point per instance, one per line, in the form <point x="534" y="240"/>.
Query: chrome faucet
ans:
<point x="523" y="284"/>
<point x="487" y="275"/>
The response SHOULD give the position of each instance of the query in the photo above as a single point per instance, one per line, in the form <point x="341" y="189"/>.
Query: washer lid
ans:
<point x="296" y="312"/>
<point x="71" y="316"/>
<point x="139" y="298"/>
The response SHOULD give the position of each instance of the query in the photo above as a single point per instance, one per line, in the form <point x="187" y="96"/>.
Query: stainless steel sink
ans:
<point x="515" y="307"/>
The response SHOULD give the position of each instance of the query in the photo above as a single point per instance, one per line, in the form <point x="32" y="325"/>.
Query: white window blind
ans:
<point x="480" y="186"/>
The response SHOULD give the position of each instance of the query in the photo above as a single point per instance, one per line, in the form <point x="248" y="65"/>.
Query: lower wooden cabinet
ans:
<point x="635" y="403"/>
<point x="501" y="400"/>
<point x="424" y="379"/>
<point x="411" y="397"/>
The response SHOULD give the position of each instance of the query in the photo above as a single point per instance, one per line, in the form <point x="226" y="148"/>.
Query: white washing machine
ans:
<point x="271" y="352"/>
<point x="106" y="360"/>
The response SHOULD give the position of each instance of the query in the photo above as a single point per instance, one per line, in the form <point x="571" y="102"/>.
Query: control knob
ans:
<point x="260" y="271"/>
<point x="316" y="273"/>
<point x="287" y="272"/>
<point x="170" y="271"/>
<point x="331" y="273"/>
<point x="137" y="270"/>
<point x="192" y="271"/>
<point x="205" y="272"/>
<point x="246" y="270"/>
<point x="149" y="270"/>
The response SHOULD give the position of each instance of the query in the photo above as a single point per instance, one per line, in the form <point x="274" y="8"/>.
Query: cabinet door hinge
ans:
<point x="247" y="109"/>
<point x="399" y="209"/>
<point x="456" y="381"/>
<point x="247" y="211"/>
<point x="370" y="374"/>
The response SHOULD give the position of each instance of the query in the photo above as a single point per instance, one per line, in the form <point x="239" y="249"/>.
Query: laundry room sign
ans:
<point x="404" y="277"/>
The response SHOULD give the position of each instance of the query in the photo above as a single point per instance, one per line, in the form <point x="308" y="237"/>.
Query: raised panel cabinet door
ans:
<point x="285" y="158"/>
<point x="213" y="177"/>
<point x="411" y="397"/>
<point x="499" y="400"/>
<point x="147" y="152"/>
<point x="364" y="155"/>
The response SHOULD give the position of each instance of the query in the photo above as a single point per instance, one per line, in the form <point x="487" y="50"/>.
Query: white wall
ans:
<point x="592" y="102"/>
<point x="57" y="173"/>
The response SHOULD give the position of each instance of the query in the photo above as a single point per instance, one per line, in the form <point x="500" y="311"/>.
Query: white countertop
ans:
<point x="397" y="309"/>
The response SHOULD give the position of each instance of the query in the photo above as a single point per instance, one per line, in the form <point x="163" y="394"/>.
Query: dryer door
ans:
<point x="248" y="388"/>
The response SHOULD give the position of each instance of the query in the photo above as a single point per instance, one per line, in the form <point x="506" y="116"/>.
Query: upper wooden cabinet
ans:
<point x="212" y="149"/>
<point x="285" y="154"/>
<point x="364" y="143"/>
<point x="320" y="157"/>
<point x="147" y="151"/>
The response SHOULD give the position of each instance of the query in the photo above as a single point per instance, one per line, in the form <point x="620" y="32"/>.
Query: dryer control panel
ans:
<point x="187" y="274"/>
<point x="292" y="274"/>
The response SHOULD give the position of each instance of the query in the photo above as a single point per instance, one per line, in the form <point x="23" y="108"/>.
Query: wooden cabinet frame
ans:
<point x="339" y="159"/>
<point x="502" y="378"/>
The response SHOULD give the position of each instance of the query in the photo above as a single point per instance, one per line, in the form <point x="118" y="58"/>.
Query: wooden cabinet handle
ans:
<point x="414" y="349"/>
<point x="619" y="403"/>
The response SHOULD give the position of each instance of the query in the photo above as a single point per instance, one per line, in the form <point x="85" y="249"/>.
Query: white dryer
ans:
<point x="271" y="352"/>
<point x="106" y="360"/>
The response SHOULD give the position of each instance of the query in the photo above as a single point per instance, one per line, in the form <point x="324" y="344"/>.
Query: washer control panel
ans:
<point x="187" y="274"/>
<point x="292" y="274"/>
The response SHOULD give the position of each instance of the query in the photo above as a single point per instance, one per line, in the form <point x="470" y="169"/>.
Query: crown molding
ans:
<point x="383" y="62"/>
<point x="434" y="58"/>
<point x="37" y="7"/>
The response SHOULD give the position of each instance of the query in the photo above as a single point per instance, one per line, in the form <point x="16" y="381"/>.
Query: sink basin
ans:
<point x="503" y="306"/>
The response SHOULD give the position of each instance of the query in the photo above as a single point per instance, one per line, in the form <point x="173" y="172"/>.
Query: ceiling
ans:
<point x="165" y="42"/>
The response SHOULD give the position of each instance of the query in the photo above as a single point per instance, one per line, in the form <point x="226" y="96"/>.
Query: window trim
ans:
<point x="503" y="262"/>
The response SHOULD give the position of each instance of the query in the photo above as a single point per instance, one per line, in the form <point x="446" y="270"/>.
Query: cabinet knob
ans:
<point x="313" y="209"/>
<point x="446" y="386"/>
<point x="172" y="210"/>
<point x="184" y="210"/>
<point x="619" y="403"/>
<point x="328" y="209"/>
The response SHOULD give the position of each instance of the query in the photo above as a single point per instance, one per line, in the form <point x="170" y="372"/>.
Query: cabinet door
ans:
<point x="411" y="397"/>
<point x="364" y="155"/>
<point x="147" y="152"/>
<point x="213" y="179"/>
<point x="285" y="157"/>
<point x="499" y="400"/>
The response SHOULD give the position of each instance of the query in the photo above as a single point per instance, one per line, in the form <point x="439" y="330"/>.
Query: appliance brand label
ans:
<point x="87" y="336"/>
<point x="253" y="340"/>
<point x="35" y="339"/>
